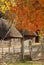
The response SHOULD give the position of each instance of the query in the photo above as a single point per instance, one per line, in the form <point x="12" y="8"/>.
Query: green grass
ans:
<point x="23" y="63"/>
<point x="28" y="63"/>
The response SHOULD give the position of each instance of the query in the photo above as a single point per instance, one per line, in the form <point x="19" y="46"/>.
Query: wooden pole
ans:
<point x="9" y="45"/>
<point x="30" y="49"/>
<point x="42" y="50"/>
<point x="22" y="49"/>
<point x="2" y="50"/>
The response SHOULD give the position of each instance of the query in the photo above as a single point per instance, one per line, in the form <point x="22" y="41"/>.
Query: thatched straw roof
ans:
<point x="7" y="31"/>
<point x="28" y="33"/>
<point x="14" y="32"/>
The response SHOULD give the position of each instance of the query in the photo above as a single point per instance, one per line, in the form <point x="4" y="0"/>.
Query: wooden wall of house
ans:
<point x="11" y="45"/>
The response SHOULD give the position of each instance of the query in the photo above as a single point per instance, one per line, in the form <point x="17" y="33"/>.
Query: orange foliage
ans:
<point x="13" y="9"/>
<point x="31" y="18"/>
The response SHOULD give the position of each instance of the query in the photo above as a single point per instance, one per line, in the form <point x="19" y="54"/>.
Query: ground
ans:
<point x="23" y="63"/>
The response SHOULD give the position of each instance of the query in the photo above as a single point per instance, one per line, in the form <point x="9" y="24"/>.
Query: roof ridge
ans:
<point x="8" y="30"/>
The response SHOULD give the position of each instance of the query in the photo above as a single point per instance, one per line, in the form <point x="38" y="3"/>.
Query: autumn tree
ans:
<point x="27" y="14"/>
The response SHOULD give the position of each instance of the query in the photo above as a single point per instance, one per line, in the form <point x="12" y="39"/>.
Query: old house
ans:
<point x="11" y="42"/>
<point x="31" y="47"/>
<point x="10" y="38"/>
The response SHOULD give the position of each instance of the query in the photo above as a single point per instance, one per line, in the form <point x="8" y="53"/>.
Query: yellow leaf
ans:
<point x="3" y="7"/>
<point x="13" y="4"/>
<point x="8" y="8"/>
<point x="7" y="3"/>
<point x="2" y="0"/>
